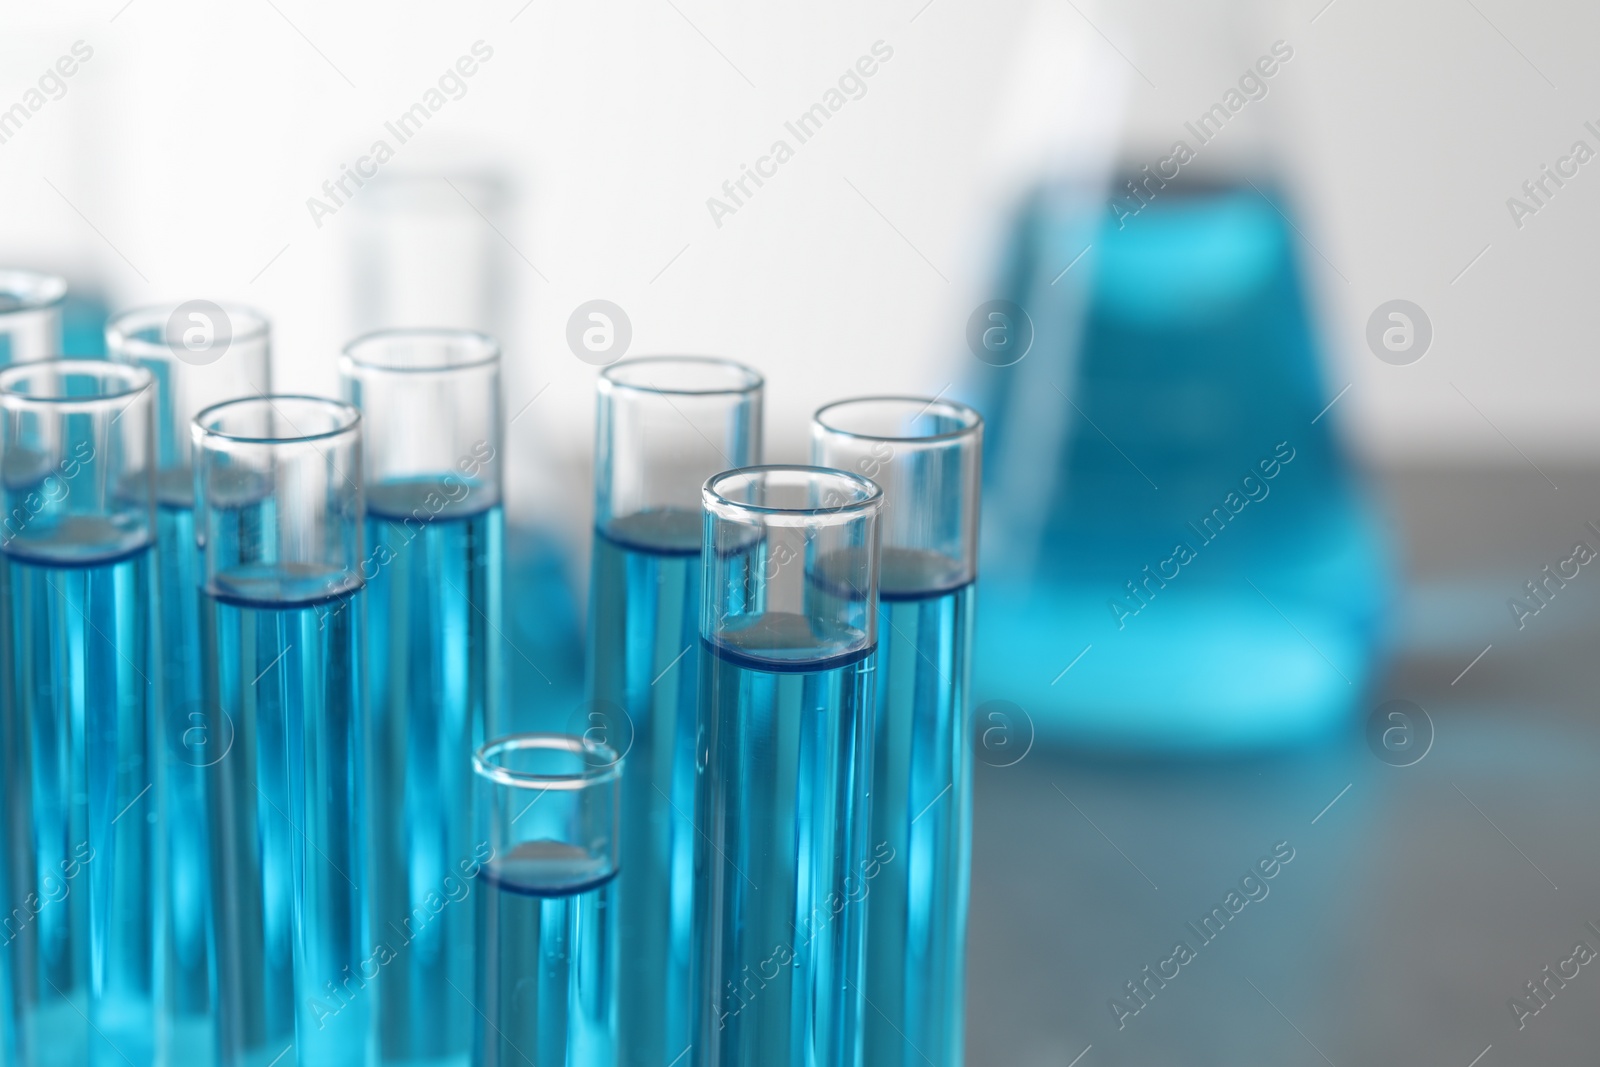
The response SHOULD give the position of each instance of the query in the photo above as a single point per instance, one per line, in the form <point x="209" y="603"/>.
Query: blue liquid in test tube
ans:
<point x="925" y="454"/>
<point x="435" y="534"/>
<point x="278" y="509"/>
<point x="790" y="628"/>
<point x="30" y="328"/>
<point x="79" y="503"/>
<point x="664" y="426"/>
<point x="547" y="816"/>
<point x="198" y="354"/>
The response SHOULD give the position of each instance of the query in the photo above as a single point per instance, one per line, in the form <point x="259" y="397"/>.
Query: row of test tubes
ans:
<point x="264" y="802"/>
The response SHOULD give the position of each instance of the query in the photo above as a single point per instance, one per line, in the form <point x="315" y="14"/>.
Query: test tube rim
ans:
<point x="752" y="380"/>
<point x="134" y="378"/>
<point x="972" y="422"/>
<point x="121" y="327"/>
<point x="18" y="281"/>
<point x="488" y="344"/>
<point x="349" y="412"/>
<point x="601" y="774"/>
<point x="719" y="505"/>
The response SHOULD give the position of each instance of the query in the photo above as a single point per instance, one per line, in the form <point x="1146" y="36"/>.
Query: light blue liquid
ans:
<point x="544" y="657"/>
<point x="921" y="814"/>
<point x="782" y="862"/>
<point x="14" y="791"/>
<point x="188" y="741"/>
<point x="645" y="649"/>
<point x="433" y="666"/>
<point x="1196" y="420"/>
<point x="295" y="959"/>
<point x="545" y="983"/>
<point x="83" y="937"/>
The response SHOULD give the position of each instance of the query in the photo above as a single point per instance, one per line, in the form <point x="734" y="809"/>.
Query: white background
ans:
<point x="179" y="162"/>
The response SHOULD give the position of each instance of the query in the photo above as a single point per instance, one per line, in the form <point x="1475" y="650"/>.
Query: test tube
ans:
<point x="278" y="510"/>
<point x="30" y="329"/>
<point x="430" y="405"/>
<point x="76" y="449"/>
<point x="30" y="316"/>
<point x="789" y="623"/>
<point x="926" y="455"/>
<point x="198" y="354"/>
<point x="545" y="866"/>
<point x="664" y="426"/>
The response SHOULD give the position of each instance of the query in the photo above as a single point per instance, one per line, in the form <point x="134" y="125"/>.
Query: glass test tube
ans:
<point x="30" y="316"/>
<point x="30" y="329"/>
<point x="198" y="355"/>
<point x="664" y="426"/>
<point x="789" y="622"/>
<point x="278" y="510"/>
<point x="430" y="404"/>
<point x="546" y="860"/>
<point x="926" y="455"/>
<point x="79" y="504"/>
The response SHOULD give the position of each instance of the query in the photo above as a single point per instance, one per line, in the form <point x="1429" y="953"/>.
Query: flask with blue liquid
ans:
<point x="1180" y="556"/>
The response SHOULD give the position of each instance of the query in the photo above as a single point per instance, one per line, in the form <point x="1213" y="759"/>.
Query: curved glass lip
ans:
<point x="129" y="380"/>
<point x="349" y="419"/>
<point x="867" y="501"/>
<point x="751" y="379"/>
<point x="971" y="421"/>
<point x="120" y="329"/>
<point x="36" y="289"/>
<point x="599" y="774"/>
<point x="488" y="349"/>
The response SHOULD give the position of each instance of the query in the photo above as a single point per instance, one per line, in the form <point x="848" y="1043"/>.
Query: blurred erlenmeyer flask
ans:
<point x="1180" y="558"/>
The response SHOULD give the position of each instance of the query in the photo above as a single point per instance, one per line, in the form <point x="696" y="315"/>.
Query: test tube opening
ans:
<point x="664" y="425"/>
<point x="926" y="454"/>
<point x="279" y="500"/>
<point x="27" y="290"/>
<point x="550" y="808"/>
<point x="791" y="565"/>
<point x="199" y="354"/>
<point x="77" y="474"/>
<point x="30" y="315"/>
<point x="431" y="399"/>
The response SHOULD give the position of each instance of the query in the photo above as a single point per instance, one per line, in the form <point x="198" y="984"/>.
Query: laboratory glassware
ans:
<point x="428" y="250"/>
<point x="430" y="404"/>
<point x="30" y="315"/>
<point x="198" y="354"/>
<point x="79" y="506"/>
<point x="664" y="426"/>
<point x="926" y="455"/>
<point x="1169" y="510"/>
<point x="545" y="867"/>
<point x="30" y="329"/>
<point x="789" y="618"/>
<point x="278" y="512"/>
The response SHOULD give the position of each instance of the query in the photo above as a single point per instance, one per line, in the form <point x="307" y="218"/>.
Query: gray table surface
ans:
<point x="1417" y="905"/>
